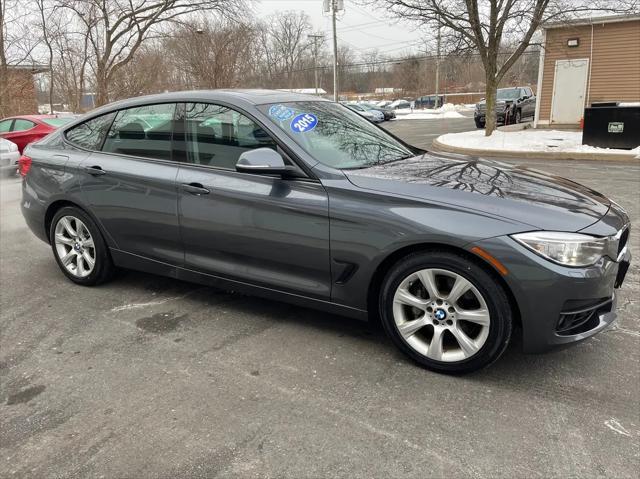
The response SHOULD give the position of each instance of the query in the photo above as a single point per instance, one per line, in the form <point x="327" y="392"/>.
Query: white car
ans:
<point x="374" y="116"/>
<point x="9" y="156"/>
<point x="400" y="104"/>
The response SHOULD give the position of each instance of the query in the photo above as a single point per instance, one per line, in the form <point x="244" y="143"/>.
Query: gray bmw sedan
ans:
<point x="300" y="199"/>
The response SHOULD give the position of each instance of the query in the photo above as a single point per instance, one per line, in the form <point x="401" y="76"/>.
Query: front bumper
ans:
<point x="479" y="117"/>
<point x="549" y="295"/>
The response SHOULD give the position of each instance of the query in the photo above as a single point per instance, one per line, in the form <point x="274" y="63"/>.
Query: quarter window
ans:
<point x="90" y="134"/>
<point x="5" y="126"/>
<point x="21" y="125"/>
<point x="217" y="135"/>
<point x="144" y="131"/>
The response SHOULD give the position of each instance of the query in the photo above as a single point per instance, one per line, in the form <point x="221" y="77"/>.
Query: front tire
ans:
<point x="445" y="312"/>
<point x="479" y="124"/>
<point x="79" y="248"/>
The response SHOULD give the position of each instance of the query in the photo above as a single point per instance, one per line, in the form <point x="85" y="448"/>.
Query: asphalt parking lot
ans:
<point x="151" y="377"/>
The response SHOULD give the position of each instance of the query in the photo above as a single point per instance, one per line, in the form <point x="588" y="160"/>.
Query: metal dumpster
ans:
<point x="612" y="125"/>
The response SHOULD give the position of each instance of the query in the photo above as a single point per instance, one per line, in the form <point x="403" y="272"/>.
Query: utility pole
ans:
<point x="334" y="7"/>
<point x="437" y="103"/>
<point x="315" y="38"/>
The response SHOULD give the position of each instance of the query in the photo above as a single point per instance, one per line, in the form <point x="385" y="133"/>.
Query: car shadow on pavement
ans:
<point x="511" y="367"/>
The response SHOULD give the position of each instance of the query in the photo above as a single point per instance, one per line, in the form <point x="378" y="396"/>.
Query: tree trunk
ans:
<point x="490" y="102"/>
<point x="102" y="89"/>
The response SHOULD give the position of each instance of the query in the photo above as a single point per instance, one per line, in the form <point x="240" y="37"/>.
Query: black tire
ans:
<point x="103" y="269"/>
<point x="501" y="321"/>
<point x="518" y="117"/>
<point x="479" y="124"/>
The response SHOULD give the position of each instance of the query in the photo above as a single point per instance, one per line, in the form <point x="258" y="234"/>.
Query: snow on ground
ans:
<point x="528" y="140"/>
<point x="445" y="111"/>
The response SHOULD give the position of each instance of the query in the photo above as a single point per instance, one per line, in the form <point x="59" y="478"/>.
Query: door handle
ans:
<point x="95" y="171"/>
<point x="195" y="188"/>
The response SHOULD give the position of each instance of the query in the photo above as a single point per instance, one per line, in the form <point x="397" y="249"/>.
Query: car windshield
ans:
<point x="508" y="93"/>
<point x="57" y="122"/>
<point x="335" y="135"/>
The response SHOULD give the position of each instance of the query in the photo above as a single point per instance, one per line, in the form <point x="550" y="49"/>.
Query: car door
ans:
<point x="261" y="230"/>
<point x="529" y="107"/>
<point x="130" y="184"/>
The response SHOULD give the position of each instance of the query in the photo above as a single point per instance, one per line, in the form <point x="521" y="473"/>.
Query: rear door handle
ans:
<point x="195" y="188"/>
<point x="95" y="170"/>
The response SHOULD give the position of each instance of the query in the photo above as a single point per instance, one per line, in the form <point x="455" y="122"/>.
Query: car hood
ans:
<point x="521" y="194"/>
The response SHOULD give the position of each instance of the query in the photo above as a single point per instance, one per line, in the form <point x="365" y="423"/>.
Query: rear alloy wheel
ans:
<point x="79" y="247"/>
<point x="445" y="312"/>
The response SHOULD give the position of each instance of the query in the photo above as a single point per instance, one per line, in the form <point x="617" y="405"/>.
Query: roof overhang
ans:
<point x="591" y="21"/>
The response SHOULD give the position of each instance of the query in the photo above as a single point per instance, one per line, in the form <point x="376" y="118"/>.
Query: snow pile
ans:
<point x="528" y="140"/>
<point x="445" y="111"/>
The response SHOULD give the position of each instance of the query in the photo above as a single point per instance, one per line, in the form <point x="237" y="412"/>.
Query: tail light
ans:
<point x="24" y="165"/>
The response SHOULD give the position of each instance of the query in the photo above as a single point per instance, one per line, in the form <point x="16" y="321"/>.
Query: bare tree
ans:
<point x="218" y="54"/>
<point x="116" y="29"/>
<point x="284" y="41"/>
<point x="487" y="26"/>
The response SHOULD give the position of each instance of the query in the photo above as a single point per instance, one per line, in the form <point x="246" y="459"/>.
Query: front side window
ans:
<point x="217" y="135"/>
<point x="334" y="135"/>
<point x="21" y="125"/>
<point x="144" y="131"/>
<point x="90" y="134"/>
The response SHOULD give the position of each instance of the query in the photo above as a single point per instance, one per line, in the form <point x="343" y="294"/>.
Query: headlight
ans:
<point x="568" y="249"/>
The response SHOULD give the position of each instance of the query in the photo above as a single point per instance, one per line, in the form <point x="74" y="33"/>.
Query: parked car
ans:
<point x="512" y="106"/>
<point x="383" y="103"/>
<point x="429" y="101"/>
<point x="388" y="113"/>
<point x="374" y="116"/>
<point x="300" y="199"/>
<point x="399" y="104"/>
<point x="9" y="156"/>
<point x="26" y="129"/>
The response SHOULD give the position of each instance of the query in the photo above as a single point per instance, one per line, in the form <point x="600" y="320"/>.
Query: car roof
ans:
<point x="251" y="96"/>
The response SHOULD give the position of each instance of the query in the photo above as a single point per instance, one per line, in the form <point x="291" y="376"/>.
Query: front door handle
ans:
<point x="95" y="170"/>
<point x="195" y="188"/>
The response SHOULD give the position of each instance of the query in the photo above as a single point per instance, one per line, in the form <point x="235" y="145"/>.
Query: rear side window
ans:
<point x="144" y="131"/>
<point x="21" y="125"/>
<point x="90" y="134"/>
<point x="5" y="126"/>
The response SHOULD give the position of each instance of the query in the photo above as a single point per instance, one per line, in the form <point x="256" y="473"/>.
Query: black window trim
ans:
<point x="310" y="176"/>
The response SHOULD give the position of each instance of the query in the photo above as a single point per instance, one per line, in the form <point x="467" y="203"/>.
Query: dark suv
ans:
<point x="512" y="106"/>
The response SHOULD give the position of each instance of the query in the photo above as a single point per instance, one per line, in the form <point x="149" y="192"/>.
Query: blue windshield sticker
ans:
<point x="304" y="122"/>
<point x="281" y="112"/>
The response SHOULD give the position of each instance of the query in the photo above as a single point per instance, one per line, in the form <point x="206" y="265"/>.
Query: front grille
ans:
<point x="579" y="316"/>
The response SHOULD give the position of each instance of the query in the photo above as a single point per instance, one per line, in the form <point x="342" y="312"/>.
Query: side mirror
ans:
<point x="261" y="161"/>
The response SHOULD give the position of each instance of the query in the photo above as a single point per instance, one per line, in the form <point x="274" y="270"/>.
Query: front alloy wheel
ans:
<point x="441" y="315"/>
<point x="446" y="311"/>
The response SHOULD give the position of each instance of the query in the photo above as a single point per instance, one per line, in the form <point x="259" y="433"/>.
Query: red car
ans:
<point x="26" y="129"/>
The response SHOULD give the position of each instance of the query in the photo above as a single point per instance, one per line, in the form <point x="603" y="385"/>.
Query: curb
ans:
<point x="538" y="155"/>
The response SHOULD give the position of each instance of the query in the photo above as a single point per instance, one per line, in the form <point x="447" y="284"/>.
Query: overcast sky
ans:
<point x="360" y="27"/>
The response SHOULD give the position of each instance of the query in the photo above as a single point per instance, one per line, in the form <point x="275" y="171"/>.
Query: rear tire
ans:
<point x="79" y="248"/>
<point x="479" y="124"/>
<point x="460" y="322"/>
